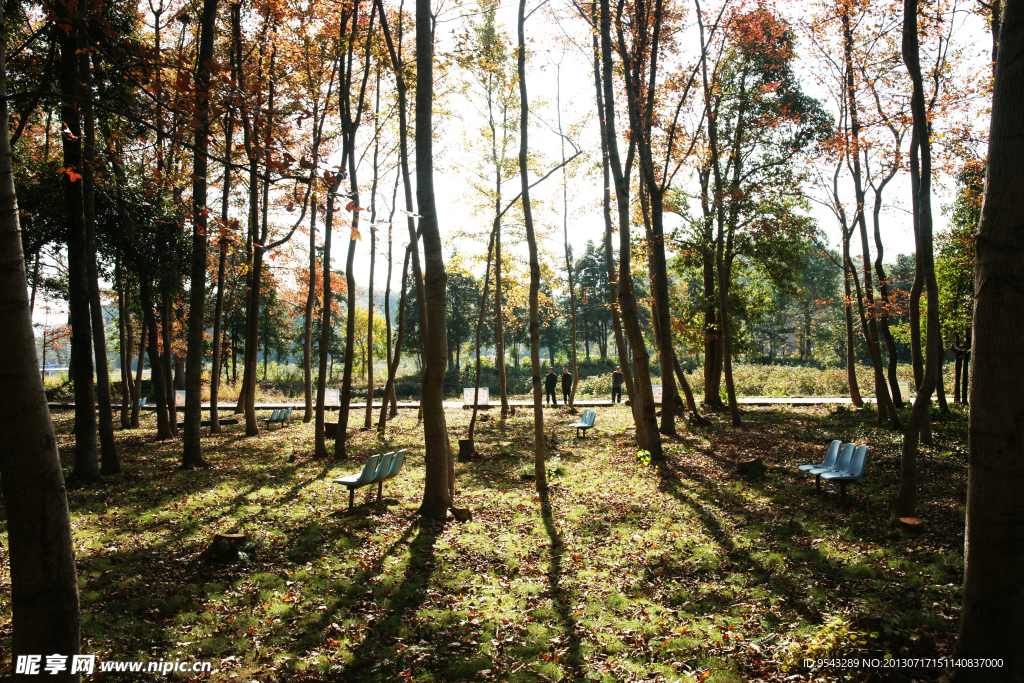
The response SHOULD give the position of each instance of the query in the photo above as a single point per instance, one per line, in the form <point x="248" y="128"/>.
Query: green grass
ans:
<point x="619" y="573"/>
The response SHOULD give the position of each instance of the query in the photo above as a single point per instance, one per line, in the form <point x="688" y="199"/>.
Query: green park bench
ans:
<point x="856" y="471"/>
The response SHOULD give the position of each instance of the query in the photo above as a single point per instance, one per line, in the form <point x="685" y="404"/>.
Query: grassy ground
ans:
<point x="621" y="573"/>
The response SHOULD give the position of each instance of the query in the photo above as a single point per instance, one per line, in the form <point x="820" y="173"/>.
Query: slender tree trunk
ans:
<point x="439" y="482"/>
<point x="368" y="420"/>
<point x="192" y="454"/>
<point x="389" y="387"/>
<point x="479" y="328"/>
<point x="167" y="360"/>
<point x="905" y="504"/>
<point x="499" y="331"/>
<point x="137" y="385"/>
<point x="163" y="429"/>
<point x="539" y="464"/>
<point x="320" y="442"/>
<point x="643" y="408"/>
<point x="86" y="466"/>
<point x="110" y="462"/>
<point x="851" y="356"/>
<point x="307" y="335"/>
<point x="218" y="314"/>
<point x="44" y="586"/>
<point x="992" y="618"/>
<point x="126" y="340"/>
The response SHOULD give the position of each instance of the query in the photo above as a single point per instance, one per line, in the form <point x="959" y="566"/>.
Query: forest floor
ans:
<point x="680" y="572"/>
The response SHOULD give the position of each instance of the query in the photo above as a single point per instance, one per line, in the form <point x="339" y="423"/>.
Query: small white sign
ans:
<point x="467" y="396"/>
<point x="179" y="398"/>
<point x="657" y="392"/>
<point x="332" y="398"/>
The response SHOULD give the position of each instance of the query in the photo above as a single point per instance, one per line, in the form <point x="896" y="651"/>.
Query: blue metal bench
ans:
<point x="830" y="458"/>
<point x="396" y="467"/>
<point x="856" y="470"/>
<point x="368" y="476"/>
<point x="841" y="465"/>
<point x="279" y="416"/>
<point x="586" y="422"/>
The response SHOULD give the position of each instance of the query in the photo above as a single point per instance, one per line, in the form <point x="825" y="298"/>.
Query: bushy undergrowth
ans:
<point x="777" y="381"/>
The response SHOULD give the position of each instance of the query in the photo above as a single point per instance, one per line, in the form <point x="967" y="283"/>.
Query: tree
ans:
<point x="954" y="272"/>
<point x="905" y="503"/>
<point x="539" y="465"/>
<point x="44" y="585"/>
<point x="439" y="482"/>
<point x="192" y="455"/>
<point x="990" y="622"/>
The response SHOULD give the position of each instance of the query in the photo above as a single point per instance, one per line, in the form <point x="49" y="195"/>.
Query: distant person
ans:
<point x="566" y="385"/>
<point x="617" y="378"/>
<point x="550" y="381"/>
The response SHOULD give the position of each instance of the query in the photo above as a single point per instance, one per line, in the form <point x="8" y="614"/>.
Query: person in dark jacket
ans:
<point x="617" y="378"/>
<point x="550" y="382"/>
<point x="566" y="385"/>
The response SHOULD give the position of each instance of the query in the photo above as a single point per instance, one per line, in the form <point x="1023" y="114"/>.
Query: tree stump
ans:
<point x="223" y="548"/>
<point x="466" y="450"/>
<point x="462" y="514"/>
<point x="913" y="525"/>
<point x="751" y="468"/>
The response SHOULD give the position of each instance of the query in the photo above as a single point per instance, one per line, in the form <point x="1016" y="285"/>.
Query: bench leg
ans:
<point x="380" y="489"/>
<point x="817" y="483"/>
<point x="351" y="497"/>
<point x="842" y="492"/>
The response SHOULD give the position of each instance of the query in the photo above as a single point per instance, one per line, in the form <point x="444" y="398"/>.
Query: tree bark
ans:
<point x="539" y="464"/>
<point x="905" y="503"/>
<point x="86" y="466"/>
<point x="192" y="454"/>
<point x="320" y="443"/>
<point x="437" y="487"/>
<point x="44" y="586"/>
<point x="156" y="368"/>
<point x="992" y="619"/>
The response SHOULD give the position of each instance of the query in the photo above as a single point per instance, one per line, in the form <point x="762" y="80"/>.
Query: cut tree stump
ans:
<point x="223" y="548"/>
<point x="462" y="514"/>
<point x="466" y="450"/>
<point x="751" y="468"/>
<point x="914" y="525"/>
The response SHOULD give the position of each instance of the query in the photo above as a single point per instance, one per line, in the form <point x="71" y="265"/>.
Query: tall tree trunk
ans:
<point x="368" y="420"/>
<point x="905" y="504"/>
<point x="992" y="618"/>
<point x="389" y="386"/>
<point x="218" y="314"/>
<point x="137" y="385"/>
<point x="44" y="586"/>
<point x="167" y="359"/>
<point x="869" y="321"/>
<point x="479" y="328"/>
<point x="568" y="256"/>
<point x="86" y="466"/>
<point x="539" y="464"/>
<point x="156" y="368"/>
<point x="643" y="407"/>
<point x="320" y="442"/>
<point x="192" y="454"/>
<point x="307" y="332"/>
<point x="126" y="340"/>
<point x="851" y="356"/>
<point x="438" y="484"/>
<point x="499" y="331"/>
<point x="108" y="449"/>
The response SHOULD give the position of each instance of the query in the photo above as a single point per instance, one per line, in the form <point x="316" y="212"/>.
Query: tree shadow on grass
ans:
<point x="365" y="661"/>
<point x="569" y="641"/>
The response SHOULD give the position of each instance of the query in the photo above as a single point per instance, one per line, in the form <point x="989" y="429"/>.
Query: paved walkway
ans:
<point x="226" y="408"/>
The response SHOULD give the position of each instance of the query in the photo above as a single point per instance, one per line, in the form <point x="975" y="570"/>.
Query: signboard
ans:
<point x="905" y="389"/>
<point x="657" y="392"/>
<point x="179" y="398"/>
<point x="467" y="396"/>
<point x="332" y="398"/>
